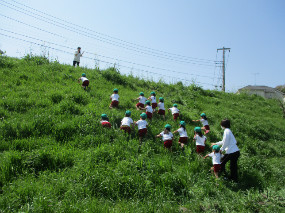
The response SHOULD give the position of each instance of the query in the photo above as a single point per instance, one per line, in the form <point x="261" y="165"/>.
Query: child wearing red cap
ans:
<point x="174" y="111"/>
<point x="183" y="139"/>
<point x="200" y="140"/>
<point x="152" y="98"/>
<point x="141" y="100"/>
<point x="167" y="136"/>
<point x="105" y="121"/>
<point x="148" y="109"/>
<point x="127" y="122"/>
<point x="84" y="80"/>
<point x="216" y="159"/>
<point x="142" y="126"/>
<point x="115" y="99"/>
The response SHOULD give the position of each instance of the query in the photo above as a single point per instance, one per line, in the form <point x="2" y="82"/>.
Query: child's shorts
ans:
<point x="85" y="83"/>
<point x="183" y="140"/>
<point x="142" y="132"/>
<point x="140" y="105"/>
<point x="161" y="112"/>
<point x="115" y="103"/>
<point x="200" y="149"/>
<point x="217" y="167"/>
<point x="168" y="144"/>
<point x="126" y="129"/>
<point x="207" y="127"/>
<point x="149" y="115"/>
<point x="106" y="124"/>
<point x="175" y="116"/>
<point x="154" y="105"/>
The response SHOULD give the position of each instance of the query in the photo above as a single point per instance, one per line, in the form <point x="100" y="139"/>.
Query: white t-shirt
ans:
<point x="104" y="121"/>
<point x="200" y="141"/>
<point x="229" y="143"/>
<point x="142" y="99"/>
<point x="77" y="56"/>
<point x="182" y="132"/>
<point x="127" y="121"/>
<point x="149" y="108"/>
<point x="83" y="79"/>
<point x="115" y="97"/>
<point x="153" y="99"/>
<point x="161" y="106"/>
<point x="174" y="110"/>
<point x="204" y="122"/>
<point x="141" y="124"/>
<point x="166" y="137"/>
<point x="216" y="157"/>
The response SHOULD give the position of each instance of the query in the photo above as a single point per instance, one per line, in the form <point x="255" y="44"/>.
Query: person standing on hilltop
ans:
<point x="77" y="56"/>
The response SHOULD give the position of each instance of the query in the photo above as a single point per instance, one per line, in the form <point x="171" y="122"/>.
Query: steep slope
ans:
<point x="56" y="157"/>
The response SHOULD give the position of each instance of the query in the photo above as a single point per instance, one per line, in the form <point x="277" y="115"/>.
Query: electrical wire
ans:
<point x="107" y="62"/>
<point x="136" y="45"/>
<point x="152" y="67"/>
<point x="57" y="24"/>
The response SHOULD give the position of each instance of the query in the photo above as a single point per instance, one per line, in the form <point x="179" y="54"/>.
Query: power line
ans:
<point x="152" y="67"/>
<point x="107" y="62"/>
<point x="102" y="39"/>
<point x="136" y="45"/>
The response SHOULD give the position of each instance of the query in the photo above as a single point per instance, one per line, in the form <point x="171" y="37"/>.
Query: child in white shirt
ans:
<point x="127" y="122"/>
<point x="204" y="121"/>
<point x="142" y="126"/>
<point x="175" y="111"/>
<point x="216" y="159"/>
<point x="153" y="100"/>
<point x="115" y="99"/>
<point x="105" y="121"/>
<point x="84" y="80"/>
<point x="183" y="139"/>
<point x="200" y="140"/>
<point x="141" y="100"/>
<point x="148" y="109"/>
<point x="161" y="109"/>
<point x="167" y="136"/>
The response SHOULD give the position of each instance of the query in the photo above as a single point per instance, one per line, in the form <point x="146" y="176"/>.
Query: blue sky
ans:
<point x="190" y="30"/>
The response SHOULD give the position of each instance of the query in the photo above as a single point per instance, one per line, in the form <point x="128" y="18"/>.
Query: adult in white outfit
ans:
<point x="229" y="145"/>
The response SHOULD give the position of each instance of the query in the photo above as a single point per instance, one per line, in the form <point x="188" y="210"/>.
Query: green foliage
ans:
<point x="56" y="157"/>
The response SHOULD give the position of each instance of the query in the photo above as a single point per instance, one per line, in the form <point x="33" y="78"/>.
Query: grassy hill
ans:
<point x="56" y="157"/>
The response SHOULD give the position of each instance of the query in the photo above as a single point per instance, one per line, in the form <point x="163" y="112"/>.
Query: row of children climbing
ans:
<point x="228" y="144"/>
<point x="127" y="124"/>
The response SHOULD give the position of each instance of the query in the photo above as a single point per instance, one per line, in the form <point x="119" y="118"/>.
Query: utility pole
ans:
<point x="224" y="66"/>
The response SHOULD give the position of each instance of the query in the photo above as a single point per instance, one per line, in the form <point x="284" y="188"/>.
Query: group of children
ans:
<point x="150" y="106"/>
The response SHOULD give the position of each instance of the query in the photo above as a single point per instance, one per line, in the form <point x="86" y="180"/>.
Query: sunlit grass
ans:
<point x="56" y="157"/>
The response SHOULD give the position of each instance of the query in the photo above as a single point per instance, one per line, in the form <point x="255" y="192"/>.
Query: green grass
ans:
<point x="56" y="157"/>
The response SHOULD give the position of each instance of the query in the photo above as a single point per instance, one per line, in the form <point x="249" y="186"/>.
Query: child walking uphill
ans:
<point x="152" y="98"/>
<point x="174" y="111"/>
<point x="148" y="109"/>
<point x="167" y="136"/>
<point x="204" y="121"/>
<point x="142" y="126"/>
<point x="141" y="100"/>
<point x="115" y="99"/>
<point x="105" y="121"/>
<point x="84" y="80"/>
<point x="127" y="122"/>
<point x="161" y="109"/>
<point x="216" y="159"/>
<point x="200" y="140"/>
<point x="183" y="139"/>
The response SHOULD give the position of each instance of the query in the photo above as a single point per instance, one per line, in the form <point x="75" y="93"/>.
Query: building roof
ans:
<point x="263" y="88"/>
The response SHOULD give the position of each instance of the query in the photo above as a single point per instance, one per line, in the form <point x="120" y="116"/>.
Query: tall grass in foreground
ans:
<point x="55" y="156"/>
